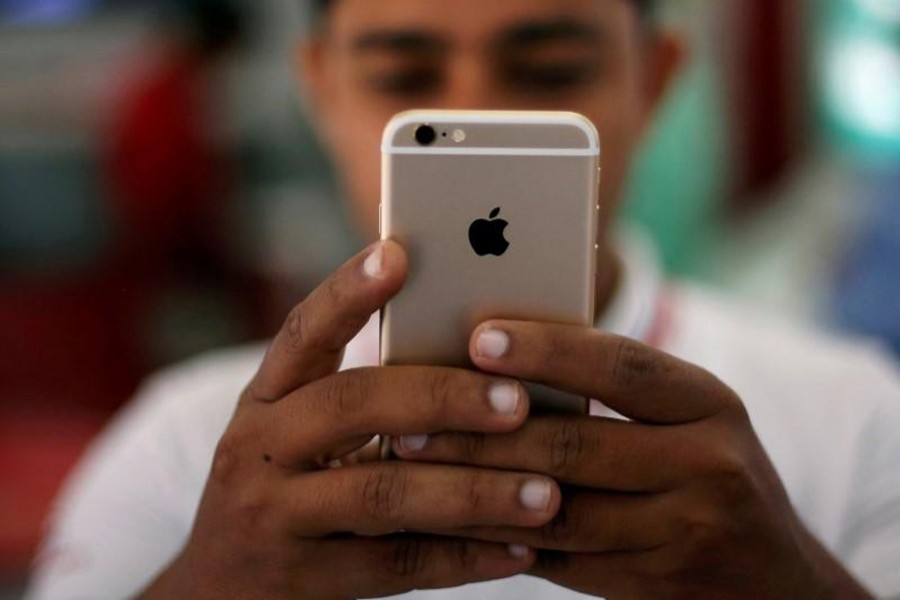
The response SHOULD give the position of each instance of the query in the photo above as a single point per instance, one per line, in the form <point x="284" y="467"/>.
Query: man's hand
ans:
<point x="680" y="502"/>
<point x="276" y="522"/>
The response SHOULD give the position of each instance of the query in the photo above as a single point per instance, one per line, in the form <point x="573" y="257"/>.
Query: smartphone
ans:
<point x="498" y="212"/>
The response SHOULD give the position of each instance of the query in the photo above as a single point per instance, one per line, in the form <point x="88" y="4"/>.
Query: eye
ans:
<point x="405" y="82"/>
<point x="551" y="77"/>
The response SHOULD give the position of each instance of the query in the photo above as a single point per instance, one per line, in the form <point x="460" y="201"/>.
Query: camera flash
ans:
<point x="459" y="136"/>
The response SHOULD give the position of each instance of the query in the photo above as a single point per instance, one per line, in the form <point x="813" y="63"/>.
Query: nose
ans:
<point x="471" y="85"/>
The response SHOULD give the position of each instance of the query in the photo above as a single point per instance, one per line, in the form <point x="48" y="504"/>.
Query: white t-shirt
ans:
<point x="827" y="411"/>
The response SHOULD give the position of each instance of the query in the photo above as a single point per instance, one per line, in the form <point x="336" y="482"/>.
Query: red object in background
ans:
<point x="72" y="346"/>
<point x="765" y="117"/>
<point x="67" y="345"/>
<point x="67" y="364"/>
<point x="36" y="453"/>
<point x="75" y="339"/>
<point x="165" y="173"/>
<point x="764" y="45"/>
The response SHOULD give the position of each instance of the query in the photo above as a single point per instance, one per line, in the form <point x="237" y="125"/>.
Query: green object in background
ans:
<point x="859" y="76"/>
<point x="680" y="176"/>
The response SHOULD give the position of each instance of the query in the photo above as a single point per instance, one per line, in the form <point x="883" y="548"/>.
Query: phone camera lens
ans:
<point x="426" y="135"/>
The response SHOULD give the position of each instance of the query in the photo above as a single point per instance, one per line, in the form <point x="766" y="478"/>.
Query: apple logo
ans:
<point x="487" y="236"/>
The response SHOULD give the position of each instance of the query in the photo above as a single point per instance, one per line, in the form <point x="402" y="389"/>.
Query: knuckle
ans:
<point x="253" y="394"/>
<point x="556" y="347"/>
<point x="297" y="328"/>
<point x="408" y="559"/>
<point x="440" y="394"/>
<point x="251" y="508"/>
<point x="562" y="528"/>
<point x="706" y="528"/>
<point x="384" y="493"/>
<point x="463" y="555"/>
<point x="632" y="361"/>
<point x="245" y="492"/>
<point x="551" y="561"/>
<point x="700" y="528"/>
<point x="567" y="446"/>
<point x="720" y="394"/>
<point x="730" y="479"/>
<point x="333" y="292"/>
<point x="734" y="408"/>
<point x="714" y="522"/>
<point x="345" y="395"/>
<point x="227" y="459"/>
<point x="474" y="494"/>
<point x="702" y="534"/>
<point x="471" y="447"/>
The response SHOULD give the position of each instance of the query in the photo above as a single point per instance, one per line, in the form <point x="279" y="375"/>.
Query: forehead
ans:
<point x="473" y="20"/>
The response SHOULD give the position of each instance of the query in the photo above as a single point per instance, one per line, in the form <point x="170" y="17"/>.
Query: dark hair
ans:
<point x="212" y="25"/>
<point x="320" y="7"/>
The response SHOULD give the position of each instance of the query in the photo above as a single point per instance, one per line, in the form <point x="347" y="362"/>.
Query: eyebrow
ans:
<point x="543" y="32"/>
<point x="519" y="36"/>
<point x="398" y="41"/>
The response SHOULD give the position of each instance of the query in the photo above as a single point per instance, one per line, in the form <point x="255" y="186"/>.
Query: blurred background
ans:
<point x="161" y="194"/>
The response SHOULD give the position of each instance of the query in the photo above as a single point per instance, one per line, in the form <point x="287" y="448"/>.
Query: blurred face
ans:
<point x="376" y="58"/>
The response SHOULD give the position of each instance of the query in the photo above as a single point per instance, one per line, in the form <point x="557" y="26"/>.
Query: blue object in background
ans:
<point x="860" y="91"/>
<point x="868" y="291"/>
<point x="25" y="12"/>
<point x="52" y="217"/>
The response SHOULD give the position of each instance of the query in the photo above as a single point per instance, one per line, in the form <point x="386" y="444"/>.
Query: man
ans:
<point x="680" y="501"/>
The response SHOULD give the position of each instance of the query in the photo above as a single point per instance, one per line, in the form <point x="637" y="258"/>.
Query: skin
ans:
<point x="464" y="61"/>
<point x="681" y="502"/>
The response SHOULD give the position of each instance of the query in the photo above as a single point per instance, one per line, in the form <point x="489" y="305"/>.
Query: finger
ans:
<point x="339" y="414"/>
<point x="311" y="342"/>
<point x="386" y="498"/>
<point x="587" y="452"/>
<point x="399" y="564"/>
<point x="369" y="453"/>
<point x="636" y="380"/>
<point x="591" y="522"/>
<point x="612" y="575"/>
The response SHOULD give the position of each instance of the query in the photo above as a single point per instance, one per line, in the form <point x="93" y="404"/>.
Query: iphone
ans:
<point x="498" y="212"/>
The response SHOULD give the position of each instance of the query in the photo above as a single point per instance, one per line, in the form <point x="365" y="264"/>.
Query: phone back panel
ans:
<point x="541" y="170"/>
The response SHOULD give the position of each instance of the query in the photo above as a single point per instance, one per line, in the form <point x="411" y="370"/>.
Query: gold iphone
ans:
<point x="498" y="212"/>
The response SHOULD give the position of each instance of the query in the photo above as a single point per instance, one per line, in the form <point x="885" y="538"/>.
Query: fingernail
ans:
<point x="374" y="265"/>
<point x="412" y="443"/>
<point x="492" y="344"/>
<point x="518" y="551"/>
<point x="536" y="495"/>
<point x="504" y="398"/>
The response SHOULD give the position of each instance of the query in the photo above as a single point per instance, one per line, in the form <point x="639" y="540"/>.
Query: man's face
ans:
<point x="380" y="57"/>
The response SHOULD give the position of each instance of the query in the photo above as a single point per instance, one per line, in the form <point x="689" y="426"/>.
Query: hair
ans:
<point x="211" y="25"/>
<point x="321" y="7"/>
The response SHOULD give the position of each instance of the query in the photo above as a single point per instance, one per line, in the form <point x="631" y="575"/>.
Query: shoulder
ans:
<point x="180" y="413"/>
<point x="208" y="384"/>
<point x="129" y="507"/>
<point x="759" y="350"/>
<point x="186" y="408"/>
<point x="826" y="407"/>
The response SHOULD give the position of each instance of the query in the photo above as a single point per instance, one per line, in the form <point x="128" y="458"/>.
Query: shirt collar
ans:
<point x="634" y="307"/>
